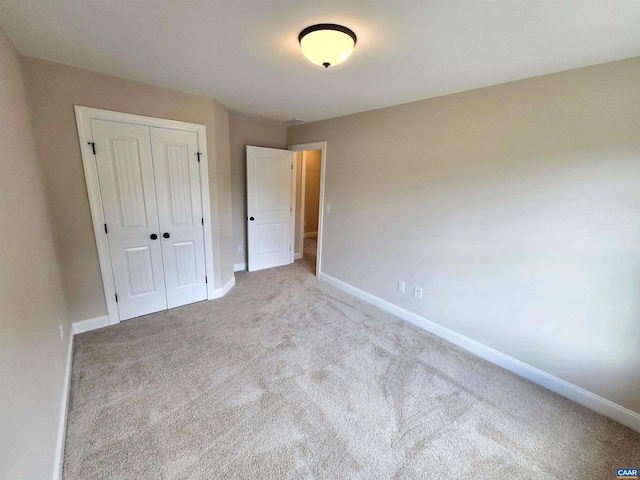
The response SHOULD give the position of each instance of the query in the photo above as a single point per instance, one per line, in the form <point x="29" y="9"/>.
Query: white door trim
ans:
<point x="322" y="146"/>
<point x="83" y="117"/>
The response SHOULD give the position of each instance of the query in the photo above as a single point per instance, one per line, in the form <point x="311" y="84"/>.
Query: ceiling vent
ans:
<point x="294" y="121"/>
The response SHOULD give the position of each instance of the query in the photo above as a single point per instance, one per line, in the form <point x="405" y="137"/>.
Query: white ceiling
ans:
<point x="245" y="53"/>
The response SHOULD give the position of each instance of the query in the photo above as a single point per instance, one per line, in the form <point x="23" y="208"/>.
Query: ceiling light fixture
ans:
<point x="327" y="44"/>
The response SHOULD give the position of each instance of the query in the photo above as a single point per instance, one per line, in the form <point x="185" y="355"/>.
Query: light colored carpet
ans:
<point x="309" y="252"/>
<point x="287" y="377"/>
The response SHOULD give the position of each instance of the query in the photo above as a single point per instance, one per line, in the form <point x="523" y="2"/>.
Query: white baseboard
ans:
<point x="228" y="286"/>
<point x="91" y="324"/>
<point x="221" y="292"/>
<point x="579" y="395"/>
<point x="101" y="322"/>
<point x="76" y="328"/>
<point x="239" y="267"/>
<point x="310" y="234"/>
<point x="297" y="256"/>
<point x="82" y="327"/>
<point x="58" y="461"/>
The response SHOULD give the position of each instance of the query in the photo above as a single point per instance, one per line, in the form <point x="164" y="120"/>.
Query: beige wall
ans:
<point x="32" y="356"/>
<point x="225" y="199"/>
<point x="53" y="90"/>
<point x="312" y="190"/>
<point x="245" y="131"/>
<point x="515" y="207"/>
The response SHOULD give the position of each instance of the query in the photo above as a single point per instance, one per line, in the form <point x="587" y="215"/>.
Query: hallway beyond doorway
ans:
<point x="310" y="251"/>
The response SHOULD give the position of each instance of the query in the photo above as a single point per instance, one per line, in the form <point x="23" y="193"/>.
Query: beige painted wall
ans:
<point x="224" y="221"/>
<point x="245" y="131"/>
<point x="515" y="207"/>
<point x="53" y="90"/>
<point x="32" y="355"/>
<point x="312" y="190"/>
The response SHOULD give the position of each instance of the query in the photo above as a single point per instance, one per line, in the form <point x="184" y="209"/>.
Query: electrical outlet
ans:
<point x="240" y="248"/>
<point x="417" y="292"/>
<point x="401" y="286"/>
<point x="61" y="331"/>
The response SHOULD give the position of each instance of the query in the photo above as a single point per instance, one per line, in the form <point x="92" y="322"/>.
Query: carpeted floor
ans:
<point x="309" y="252"/>
<point x="287" y="377"/>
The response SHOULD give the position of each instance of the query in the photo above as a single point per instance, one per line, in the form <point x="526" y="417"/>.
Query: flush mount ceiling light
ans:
<point x="327" y="44"/>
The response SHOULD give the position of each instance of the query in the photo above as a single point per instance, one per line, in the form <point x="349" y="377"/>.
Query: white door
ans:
<point x="125" y="172"/>
<point x="177" y="181"/>
<point x="269" y="207"/>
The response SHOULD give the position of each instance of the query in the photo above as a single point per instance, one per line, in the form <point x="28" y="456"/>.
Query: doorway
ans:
<point x="276" y="188"/>
<point x="307" y="207"/>
<point x="309" y="171"/>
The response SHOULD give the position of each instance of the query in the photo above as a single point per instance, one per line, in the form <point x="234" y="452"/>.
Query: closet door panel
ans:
<point x="126" y="176"/>
<point x="177" y="181"/>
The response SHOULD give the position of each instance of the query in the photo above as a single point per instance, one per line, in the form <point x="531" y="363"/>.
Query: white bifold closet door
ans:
<point x="150" y="189"/>
<point x="177" y="174"/>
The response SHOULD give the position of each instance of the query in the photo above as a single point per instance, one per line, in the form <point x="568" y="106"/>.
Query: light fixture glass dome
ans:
<point x="327" y="44"/>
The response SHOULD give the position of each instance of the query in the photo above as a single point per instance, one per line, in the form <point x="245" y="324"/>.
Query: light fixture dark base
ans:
<point x="326" y="64"/>
<point x="328" y="26"/>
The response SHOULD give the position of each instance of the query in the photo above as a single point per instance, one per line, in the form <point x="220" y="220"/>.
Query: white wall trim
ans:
<point x="90" y="324"/>
<point x="297" y="256"/>
<point x="579" y="395"/>
<point x="322" y="146"/>
<point x="221" y="292"/>
<point x="310" y="234"/>
<point x="83" y="118"/>
<point x="76" y="328"/>
<point x="58" y="461"/>
<point x="239" y="267"/>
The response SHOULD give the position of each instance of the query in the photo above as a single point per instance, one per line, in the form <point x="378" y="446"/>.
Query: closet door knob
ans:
<point x="153" y="236"/>
<point x="251" y="218"/>
<point x="166" y="235"/>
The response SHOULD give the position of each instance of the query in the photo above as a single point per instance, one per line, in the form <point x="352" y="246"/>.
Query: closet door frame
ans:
<point x="84" y="115"/>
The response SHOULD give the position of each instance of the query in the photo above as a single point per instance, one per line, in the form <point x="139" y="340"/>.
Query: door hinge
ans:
<point x="291" y="209"/>
<point x="289" y="248"/>
<point x="198" y="154"/>
<point x="105" y="229"/>
<point x="206" y="280"/>
<point x="292" y="166"/>
<point x="203" y="221"/>
<point x="93" y="147"/>
<point x="116" y="298"/>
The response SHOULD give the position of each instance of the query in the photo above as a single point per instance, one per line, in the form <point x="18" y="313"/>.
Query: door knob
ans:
<point x="153" y="236"/>
<point x="251" y="218"/>
<point x="166" y="235"/>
